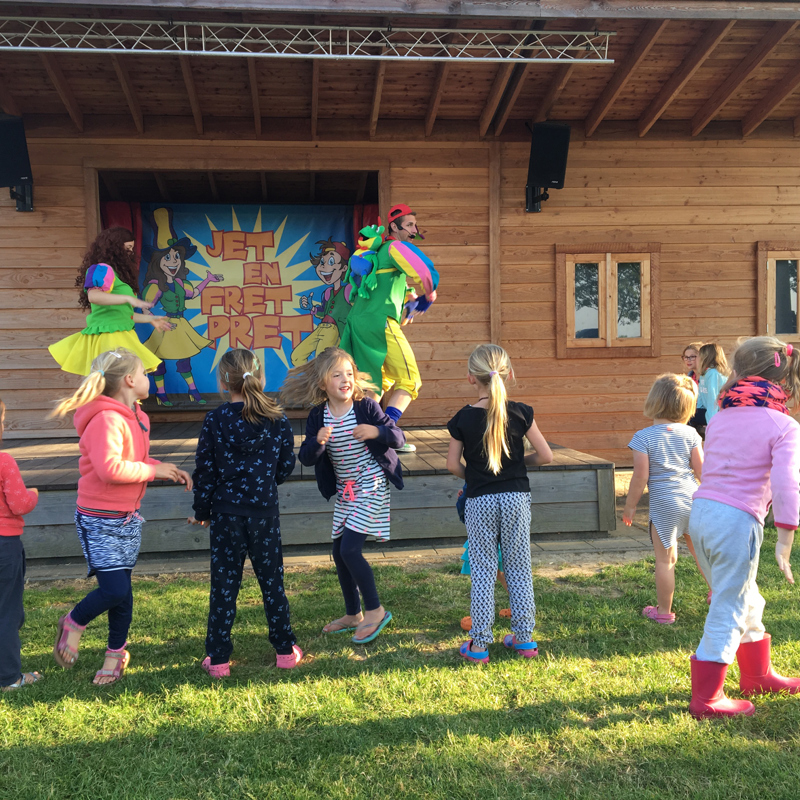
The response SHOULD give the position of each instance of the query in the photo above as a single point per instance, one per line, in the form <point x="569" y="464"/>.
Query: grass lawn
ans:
<point x="600" y="714"/>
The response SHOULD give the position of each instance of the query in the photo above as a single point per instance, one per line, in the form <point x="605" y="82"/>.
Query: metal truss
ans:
<point x="60" y="35"/>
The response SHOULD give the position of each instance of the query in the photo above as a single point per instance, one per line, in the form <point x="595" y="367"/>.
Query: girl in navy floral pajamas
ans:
<point x="245" y="450"/>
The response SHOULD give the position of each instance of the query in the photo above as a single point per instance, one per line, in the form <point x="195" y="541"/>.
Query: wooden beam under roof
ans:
<point x="314" y="98"/>
<point x="377" y="91"/>
<point x="510" y="97"/>
<point x="557" y="84"/>
<point x="796" y="126"/>
<point x="63" y="88"/>
<point x="442" y="71"/>
<point x="7" y="102"/>
<point x="162" y="187"/>
<point x="747" y="66"/>
<point x="130" y="93"/>
<point x="710" y="38"/>
<point x="253" y="76"/>
<point x="641" y="47"/>
<point x="764" y="107"/>
<point x="191" y="90"/>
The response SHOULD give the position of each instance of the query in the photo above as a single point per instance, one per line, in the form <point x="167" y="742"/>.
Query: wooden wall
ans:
<point x="707" y="202"/>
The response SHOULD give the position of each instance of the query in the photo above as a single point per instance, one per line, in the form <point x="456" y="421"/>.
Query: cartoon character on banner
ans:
<point x="165" y="282"/>
<point x="330" y="265"/>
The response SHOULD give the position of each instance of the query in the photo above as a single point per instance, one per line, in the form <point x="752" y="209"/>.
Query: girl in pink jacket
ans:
<point x="752" y="460"/>
<point x="115" y="468"/>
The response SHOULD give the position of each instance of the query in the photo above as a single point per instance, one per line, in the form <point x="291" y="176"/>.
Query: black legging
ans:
<point x="354" y="572"/>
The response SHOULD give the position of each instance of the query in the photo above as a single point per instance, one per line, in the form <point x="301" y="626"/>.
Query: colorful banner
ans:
<point x="259" y="277"/>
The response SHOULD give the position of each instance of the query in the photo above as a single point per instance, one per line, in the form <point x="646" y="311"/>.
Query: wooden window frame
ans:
<point x="608" y="256"/>
<point x="768" y="253"/>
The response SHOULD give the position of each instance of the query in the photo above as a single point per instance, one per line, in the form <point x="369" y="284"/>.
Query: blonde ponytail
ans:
<point x="107" y="373"/>
<point x="490" y="365"/>
<point x="240" y="371"/>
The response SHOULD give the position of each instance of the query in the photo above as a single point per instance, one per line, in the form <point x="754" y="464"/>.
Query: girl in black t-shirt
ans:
<point x="490" y="435"/>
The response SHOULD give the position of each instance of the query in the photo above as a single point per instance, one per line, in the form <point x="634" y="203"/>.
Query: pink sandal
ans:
<point x="651" y="612"/>
<point x="290" y="660"/>
<point x="65" y="627"/>
<point x="216" y="670"/>
<point x="123" y="658"/>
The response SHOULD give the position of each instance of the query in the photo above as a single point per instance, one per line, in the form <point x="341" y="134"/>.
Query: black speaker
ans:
<point x="548" y="161"/>
<point x="15" y="165"/>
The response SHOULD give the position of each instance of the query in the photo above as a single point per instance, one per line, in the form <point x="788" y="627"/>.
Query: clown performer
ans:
<point x="107" y="285"/>
<point x="373" y="334"/>
<point x="330" y="265"/>
<point x="165" y="282"/>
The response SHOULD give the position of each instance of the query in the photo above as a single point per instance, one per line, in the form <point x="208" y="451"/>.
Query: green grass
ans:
<point x="601" y="712"/>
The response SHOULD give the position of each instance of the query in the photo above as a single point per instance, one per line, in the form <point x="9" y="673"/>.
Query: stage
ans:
<point x="574" y="494"/>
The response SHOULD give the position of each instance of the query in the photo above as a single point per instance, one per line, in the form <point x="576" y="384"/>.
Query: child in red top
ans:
<point x="115" y="468"/>
<point x="15" y="501"/>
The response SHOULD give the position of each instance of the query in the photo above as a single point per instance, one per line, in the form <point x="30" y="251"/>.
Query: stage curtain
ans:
<point x="363" y="215"/>
<point x="126" y="215"/>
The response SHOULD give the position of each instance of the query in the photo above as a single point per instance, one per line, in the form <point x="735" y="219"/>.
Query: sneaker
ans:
<point x="406" y="448"/>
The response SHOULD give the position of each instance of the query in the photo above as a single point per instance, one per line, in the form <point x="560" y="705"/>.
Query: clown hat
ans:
<point x="164" y="236"/>
<point x="395" y="212"/>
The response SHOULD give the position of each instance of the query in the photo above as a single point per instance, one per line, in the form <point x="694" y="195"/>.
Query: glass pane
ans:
<point x="629" y="300"/>
<point x="587" y="292"/>
<point x="786" y="295"/>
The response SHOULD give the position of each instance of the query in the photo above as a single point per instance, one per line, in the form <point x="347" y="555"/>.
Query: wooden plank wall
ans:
<point x="707" y="202"/>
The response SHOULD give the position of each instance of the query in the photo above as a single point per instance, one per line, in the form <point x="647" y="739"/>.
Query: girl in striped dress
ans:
<point x="667" y="457"/>
<point x="351" y="444"/>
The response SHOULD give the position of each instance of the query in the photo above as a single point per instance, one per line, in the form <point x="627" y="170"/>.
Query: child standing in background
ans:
<point x="350" y="442"/>
<point x="490" y="436"/>
<point x="752" y="460"/>
<point x="115" y="468"/>
<point x="712" y="366"/>
<point x="15" y="502"/>
<point x="244" y="452"/>
<point x="668" y="459"/>
<point x="690" y="355"/>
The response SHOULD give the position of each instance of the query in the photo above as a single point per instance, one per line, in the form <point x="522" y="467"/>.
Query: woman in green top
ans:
<point x="107" y="280"/>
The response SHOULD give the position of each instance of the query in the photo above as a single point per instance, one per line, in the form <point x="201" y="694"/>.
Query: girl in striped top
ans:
<point x="667" y="457"/>
<point x="351" y="444"/>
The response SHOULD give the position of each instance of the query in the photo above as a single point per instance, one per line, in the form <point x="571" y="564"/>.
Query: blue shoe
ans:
<point x="479" y="658"/>
<point x="387" y="618"/>
<point x="526" y="649"/>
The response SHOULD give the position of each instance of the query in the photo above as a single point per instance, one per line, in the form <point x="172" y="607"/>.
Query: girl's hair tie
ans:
<point x="102" y="372"/>
<point x="789" y="350"/>
<point x="493" y="373"/>
<point x="247" y="375"/>
<point x="778" y="358"/>
<point x="227" y="379"/>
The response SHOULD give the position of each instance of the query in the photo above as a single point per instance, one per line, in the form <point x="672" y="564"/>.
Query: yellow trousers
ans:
<point x="400" y="367"/>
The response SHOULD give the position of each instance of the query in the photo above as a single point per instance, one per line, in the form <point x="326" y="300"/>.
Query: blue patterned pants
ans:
<point x="233" y="538"/>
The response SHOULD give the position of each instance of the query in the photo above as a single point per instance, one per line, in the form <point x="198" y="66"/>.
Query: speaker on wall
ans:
<point x="15" y="165"/>
<point x="547" y="165"/>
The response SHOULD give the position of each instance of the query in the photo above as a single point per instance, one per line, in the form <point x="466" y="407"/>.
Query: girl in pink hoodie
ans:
<point x="115" y="467"/>
<point x="752" y="460"/>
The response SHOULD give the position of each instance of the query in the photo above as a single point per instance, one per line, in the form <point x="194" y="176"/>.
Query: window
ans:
<point x="606" y="301"/>
<point x="778" y="264"/>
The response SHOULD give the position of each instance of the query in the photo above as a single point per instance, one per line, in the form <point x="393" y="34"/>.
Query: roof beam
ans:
<point x="162" y="187"/>
<point x="377" y="91"/>
<point x="712" y="36"/>
<point x="7" y="101"/>
<point x="253" y="76"/>
<point x="644" y="42"/>
<point x="63" y="88"/>
<point x="510" y="97"/>
<point x="557" y="85"/>
<point x="773" y="99"/>
<point x="747" y="66"/>
<point x="442" y="70"/>
<point x="129" y="92"/>
<point x="314" y="99"/>
<point x="188" y="79"/>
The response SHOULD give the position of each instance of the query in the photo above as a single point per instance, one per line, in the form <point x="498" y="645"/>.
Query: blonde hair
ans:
<point x="672" y="397"/>
<point x="240" y="371"/>
<point x="712" y="356"/>
<point x="107" y="373"/>
<point x="692" y="346"/>
<point x="305" y="384"/>
<point x="490" y="365"/>
<point x="756" y="358"/>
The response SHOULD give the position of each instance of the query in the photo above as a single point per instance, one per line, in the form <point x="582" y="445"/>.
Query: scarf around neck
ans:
<point x="755" y="391"/>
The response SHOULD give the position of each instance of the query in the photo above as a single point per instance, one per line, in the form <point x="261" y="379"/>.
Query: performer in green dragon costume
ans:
<point x="373" y="333"/>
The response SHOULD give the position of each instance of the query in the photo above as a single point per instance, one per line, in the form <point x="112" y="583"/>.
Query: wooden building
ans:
<point x="684" y="160"/>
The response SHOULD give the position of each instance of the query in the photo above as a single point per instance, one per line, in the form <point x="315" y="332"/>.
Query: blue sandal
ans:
<point x="526" y="649"/>
<point x="479" y="658"/>
<point x="387" y="618"/>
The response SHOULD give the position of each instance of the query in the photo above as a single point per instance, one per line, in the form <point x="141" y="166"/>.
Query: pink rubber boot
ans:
<point x="756" y="673"/>
<point x="708" y="696"/>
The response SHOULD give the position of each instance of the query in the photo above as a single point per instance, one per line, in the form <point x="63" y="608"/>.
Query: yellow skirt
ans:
<point x="183" y="341"/>
<point x="76" y="353"/>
